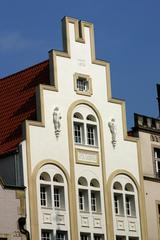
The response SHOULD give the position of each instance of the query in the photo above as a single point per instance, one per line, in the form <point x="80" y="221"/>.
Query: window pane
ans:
<point x="57" y="197"/>
<point x="77" y="133"/>
<point x="43" y="196"/>
<point x="82" y="84"/>
<point x="85" y="236"/>
<point x="81" y="201"/>
<point x="91" y="135"/>
<point x="60" y="235"/>
<point x="46" y="236"/>
<point x="93" y="202"/>
<point x="98" y="237"/>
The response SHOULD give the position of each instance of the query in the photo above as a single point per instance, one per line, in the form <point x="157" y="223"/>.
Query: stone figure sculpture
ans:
<point x="57" y="121"/>
<point x="112" y="128"/>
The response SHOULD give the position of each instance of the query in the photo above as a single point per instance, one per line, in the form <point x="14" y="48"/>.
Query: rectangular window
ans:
<point x="93" y="202"/>
<point x="46" y="235"/>
<point x="61" y="235"/>
<point x="81" y="201"/>
<point x="98" y="237"/>
<point x="128" y="206"/>
<point x="57" y="197"/>
<point x="78" y="133"/>
<point x="85" y="236"/>
<point x="91" y="135"/>
<point x="116" y="205"/>
<point x="157" y="161"/>
<point x="82" y="84"/>
<point x="120" y="238"/>
<point x="43" y="196"/>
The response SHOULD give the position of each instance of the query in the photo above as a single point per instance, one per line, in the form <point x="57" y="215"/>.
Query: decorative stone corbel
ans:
<point x="113" y="131"/>
<point x="57" y="121"/>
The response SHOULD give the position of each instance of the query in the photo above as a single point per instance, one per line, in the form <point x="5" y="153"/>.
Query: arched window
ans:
<point x="45" y="177"/>
<point x="85" y="126"/>
<point x="53" y="204"/>
<point x="124" y="199"/>
<point x="95" y="195"/>
<point x="45" y="190"/>
<point x="89" y="195"/>
<point x="58" y="188"/>
<point x="83" y="194"/>
<point x="125" y="203"/>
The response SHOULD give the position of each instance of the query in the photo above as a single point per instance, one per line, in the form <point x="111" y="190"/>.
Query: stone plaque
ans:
<point x="86" y="156"/>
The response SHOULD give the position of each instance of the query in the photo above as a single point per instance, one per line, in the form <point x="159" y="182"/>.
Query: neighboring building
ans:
<point x="148" y="131"/>
<point x="81" y="170"/>
<point x="12" y="209"/>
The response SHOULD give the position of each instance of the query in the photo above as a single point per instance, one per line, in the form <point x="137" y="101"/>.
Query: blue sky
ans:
<point x="127" y="33"/>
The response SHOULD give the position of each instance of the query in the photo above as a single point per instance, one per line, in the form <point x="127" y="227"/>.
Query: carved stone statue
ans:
<point x="112" y="128"/>
<point x="57" y="121"/>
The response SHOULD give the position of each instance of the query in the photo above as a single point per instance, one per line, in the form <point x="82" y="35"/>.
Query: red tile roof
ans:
<point x="18" y="103"/>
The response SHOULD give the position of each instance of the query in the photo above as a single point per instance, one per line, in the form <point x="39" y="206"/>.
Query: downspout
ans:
<point x="21" y="223"/>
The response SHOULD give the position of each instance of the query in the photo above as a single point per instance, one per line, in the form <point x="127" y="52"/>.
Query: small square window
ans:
<point x="82" y="84"/>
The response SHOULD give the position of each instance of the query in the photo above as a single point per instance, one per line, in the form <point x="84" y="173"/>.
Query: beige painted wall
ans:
<point x="152" y="194"/>
<point x="9" y="214"/>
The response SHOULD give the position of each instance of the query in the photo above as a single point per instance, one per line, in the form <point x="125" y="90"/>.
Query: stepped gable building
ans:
<point x="148" y="131"/>
<point x="65" y="139"/>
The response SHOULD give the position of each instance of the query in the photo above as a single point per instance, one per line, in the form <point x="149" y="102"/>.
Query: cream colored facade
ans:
<point x="149" y="136"/>
<point x="82" y="171"/>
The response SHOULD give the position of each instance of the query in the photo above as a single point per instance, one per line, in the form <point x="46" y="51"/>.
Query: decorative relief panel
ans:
<point x="47" y="218"/>
<point x="120" y="224"/>
<point x="60" y="219"/>
<point x="132" y="226"/>
<point x="84" y="221"/>
<point x="154" y="138"/>
<point x="97" y="222"/>
<point x="87" y="157"/>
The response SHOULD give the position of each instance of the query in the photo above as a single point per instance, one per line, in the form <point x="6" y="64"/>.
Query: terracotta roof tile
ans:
<point x="18" y="103"/>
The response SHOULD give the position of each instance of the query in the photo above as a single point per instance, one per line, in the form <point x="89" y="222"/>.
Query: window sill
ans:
<point x="84" y="146"/>
<point x="96" y="213"/>
<point x="49" y="208"/>
<point x="60" y="209"/>
<point x="85" y="212"/>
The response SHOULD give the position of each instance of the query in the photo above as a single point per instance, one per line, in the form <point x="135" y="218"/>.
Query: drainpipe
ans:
<point x="21" y="223"/>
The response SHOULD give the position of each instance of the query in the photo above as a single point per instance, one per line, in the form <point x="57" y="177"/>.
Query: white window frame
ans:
<point x="61" y="235"/>
<point x="43" y="196"/>
<point x="93" y="202"/>
<point x="46" y="235"/>
<point x="157" y="162"/>
<point x="85" y="236"/>
<point x="81" y="200"/>
<point x="78" y="133"/>
<point x="116" y="205"/>
<point x="128" y="206"/>
<point x="98" y="237"/>
<point x="57" y="197"/>
<point x="87" y="134"/>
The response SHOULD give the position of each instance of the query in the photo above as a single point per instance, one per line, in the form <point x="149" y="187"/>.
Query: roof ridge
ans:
<point x="23" y="70"/>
